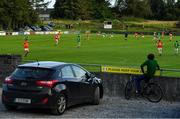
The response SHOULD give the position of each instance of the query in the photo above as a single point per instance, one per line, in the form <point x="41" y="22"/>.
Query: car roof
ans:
<point x="43" y="64"/>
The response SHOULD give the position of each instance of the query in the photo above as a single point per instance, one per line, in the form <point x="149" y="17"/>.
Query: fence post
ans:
<point x="161" y="72"/>
<point x="100" y="68"/>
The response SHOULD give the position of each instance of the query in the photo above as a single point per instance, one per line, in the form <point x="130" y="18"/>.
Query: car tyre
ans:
<point x="96" y="98"/>
<point x="61" y="104"/>
<point x="11" y="107"/>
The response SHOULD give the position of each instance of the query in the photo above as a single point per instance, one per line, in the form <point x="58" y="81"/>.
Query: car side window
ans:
<point x="67" y="72"/>
<point x="58" y="74"/>
<point x="80" y="73"/>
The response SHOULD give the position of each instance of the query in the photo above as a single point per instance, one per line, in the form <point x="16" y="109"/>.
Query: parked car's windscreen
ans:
<point x="32" y="73"/>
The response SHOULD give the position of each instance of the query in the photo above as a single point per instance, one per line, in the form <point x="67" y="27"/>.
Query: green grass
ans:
<point x="98" y="50"/>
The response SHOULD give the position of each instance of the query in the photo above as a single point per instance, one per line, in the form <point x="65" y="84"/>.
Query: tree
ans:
<point x="157" y="8"/>
<point x="120" y="5"/>
<point x="86" y="10"/>
<point x="135" y="8"/>
<point x="81" y="9"/>
<point x="66" y="9"/>
<point x="177" y="9"/>
<point x="59" y="9"/>
<point x="101" y="9"/>
<point x="16" y="13"/>
<point x="170" y="10"/>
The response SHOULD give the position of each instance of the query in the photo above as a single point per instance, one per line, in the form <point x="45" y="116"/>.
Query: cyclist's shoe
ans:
<point x="138" y="93"/>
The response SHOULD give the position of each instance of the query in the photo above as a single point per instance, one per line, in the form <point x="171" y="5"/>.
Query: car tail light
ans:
<point x="45" y="100"/>
<point x="8" y="80"/>
<point x="48" y="84"/>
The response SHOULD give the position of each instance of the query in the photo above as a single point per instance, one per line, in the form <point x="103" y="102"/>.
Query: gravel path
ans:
<point x="110" y="107"/>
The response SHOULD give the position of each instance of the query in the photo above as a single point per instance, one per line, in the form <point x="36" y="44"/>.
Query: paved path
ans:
<point x="111" y="107"/>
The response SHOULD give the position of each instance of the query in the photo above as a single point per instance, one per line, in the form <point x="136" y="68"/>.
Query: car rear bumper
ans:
<point x="38" y="100"/>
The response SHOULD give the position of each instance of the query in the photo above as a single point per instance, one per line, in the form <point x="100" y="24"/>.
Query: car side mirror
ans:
<point x="89" y="75"/>
<point x="92" y="75"/>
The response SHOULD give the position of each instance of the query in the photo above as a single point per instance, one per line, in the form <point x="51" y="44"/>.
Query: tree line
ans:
<point x="81" y="9"/>
<point x="17" y="13"/>
<point x="102" y="9"/>
<point x="149" y="9"/>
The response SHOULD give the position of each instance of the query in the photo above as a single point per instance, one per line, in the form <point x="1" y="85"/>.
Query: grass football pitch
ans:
<point x="114" y="51"/>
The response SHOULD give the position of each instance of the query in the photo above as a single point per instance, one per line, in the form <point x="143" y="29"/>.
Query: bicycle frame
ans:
<point x="154" y="94"/>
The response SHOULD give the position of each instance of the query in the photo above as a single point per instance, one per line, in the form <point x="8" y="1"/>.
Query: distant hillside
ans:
<point x="134" y="25"/>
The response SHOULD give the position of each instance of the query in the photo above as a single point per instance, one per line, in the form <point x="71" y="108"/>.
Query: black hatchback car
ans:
<point x="52" y="85"/>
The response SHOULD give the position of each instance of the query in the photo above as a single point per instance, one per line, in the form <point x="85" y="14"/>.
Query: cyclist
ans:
<point x="151" y="65"/>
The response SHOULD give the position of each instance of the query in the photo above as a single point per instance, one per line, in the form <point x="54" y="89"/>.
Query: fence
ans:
<point x="123" y="70"/>
<point x="113" y="87"/>
<point x="2" y="33"/>
<point x="170" y="72"/>
<point x="128" y="70"/>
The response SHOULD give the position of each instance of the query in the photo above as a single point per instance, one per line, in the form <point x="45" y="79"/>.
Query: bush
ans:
<point x="116" y="21"/>
<point x="133" y="19"/>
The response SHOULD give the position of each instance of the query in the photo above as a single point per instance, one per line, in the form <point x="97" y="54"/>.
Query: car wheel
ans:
<point x="96" y="98"/>
<point x="61" y="104"/>
<point x="11" y="107"/>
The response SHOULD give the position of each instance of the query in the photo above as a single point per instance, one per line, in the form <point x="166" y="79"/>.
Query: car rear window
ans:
<point x="32" y="73"/>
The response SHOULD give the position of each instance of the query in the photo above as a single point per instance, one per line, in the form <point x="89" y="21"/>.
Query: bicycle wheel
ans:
<point x="128" y="90"/>
<point x="153" y="92"/>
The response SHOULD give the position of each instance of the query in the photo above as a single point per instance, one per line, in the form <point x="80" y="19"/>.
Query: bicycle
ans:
<point x="150" y="90"/>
